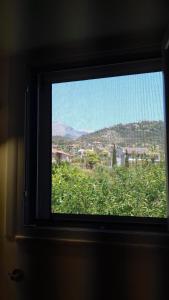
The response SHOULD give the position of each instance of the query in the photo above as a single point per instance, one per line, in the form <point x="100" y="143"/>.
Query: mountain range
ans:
<point x="136" y="133"/>
<point x="62" y="130"/>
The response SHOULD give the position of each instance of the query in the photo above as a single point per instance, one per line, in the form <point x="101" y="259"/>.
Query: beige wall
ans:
<point x="10" y="167"/>
<point x="4" y="79"/>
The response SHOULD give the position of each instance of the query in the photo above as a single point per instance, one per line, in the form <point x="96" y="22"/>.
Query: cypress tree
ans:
<point x="126" y="159"/>
<point x="114" y="159"/>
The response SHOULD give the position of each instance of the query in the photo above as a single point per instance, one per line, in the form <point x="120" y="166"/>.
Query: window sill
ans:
<point x="138" y="236"/>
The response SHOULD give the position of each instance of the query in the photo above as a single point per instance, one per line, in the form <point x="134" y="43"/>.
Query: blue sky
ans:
<point x="94" y="104"/>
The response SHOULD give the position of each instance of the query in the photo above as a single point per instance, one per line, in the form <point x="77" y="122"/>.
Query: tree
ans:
<point x="114" y="159"/>
<point x="126" y="159"/>
<point x="91" y="159"/>
<point x="153" y="153"/>
<point x="104" y="156"/>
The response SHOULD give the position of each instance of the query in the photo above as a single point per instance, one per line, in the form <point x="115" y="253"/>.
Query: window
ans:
<point x="108" y="146"/>
<point x="100" y="144"/>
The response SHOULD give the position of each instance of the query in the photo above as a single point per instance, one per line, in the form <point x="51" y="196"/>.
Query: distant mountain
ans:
<point x="62" y="130"/>
<point x="138" y="134"/>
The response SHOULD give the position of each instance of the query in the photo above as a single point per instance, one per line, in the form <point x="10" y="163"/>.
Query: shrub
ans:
<point x="132" y="191"/>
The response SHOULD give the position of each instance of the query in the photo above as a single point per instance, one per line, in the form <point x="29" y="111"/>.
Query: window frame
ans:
<point x="37" y="206"/>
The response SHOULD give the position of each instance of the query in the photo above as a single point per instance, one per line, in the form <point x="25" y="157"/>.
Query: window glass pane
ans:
<point x="108" y="146"/>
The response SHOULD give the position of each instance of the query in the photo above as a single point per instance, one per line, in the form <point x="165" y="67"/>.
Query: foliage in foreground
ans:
<point x="134" y="191"/>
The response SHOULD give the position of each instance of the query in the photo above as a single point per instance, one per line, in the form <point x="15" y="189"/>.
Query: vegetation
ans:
<point x="118" y="170"/>
<point x="114" y="159"/>
<point x="138" y="190"/>
<point x="91" y="159"/>
<point x="128" y="134"/>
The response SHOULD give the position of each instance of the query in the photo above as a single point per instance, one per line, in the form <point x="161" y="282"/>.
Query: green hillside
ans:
<point x="60" y="140"/>
<point x="138" y="134"/>
<point x="145" y="133"/>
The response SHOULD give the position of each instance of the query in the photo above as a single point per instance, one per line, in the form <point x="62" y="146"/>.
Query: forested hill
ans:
<point x="133" y="134"/>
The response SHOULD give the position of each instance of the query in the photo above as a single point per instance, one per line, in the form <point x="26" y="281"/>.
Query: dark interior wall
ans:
<point x="90" y="271"/>
<point x="85" y="271"/>
<point x="128" y="266"/>
<point x="117" y="24"/>
<point x="40" y="35"/>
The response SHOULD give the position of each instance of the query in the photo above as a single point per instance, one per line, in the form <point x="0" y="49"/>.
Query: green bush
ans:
<point x="134" y="191"/>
